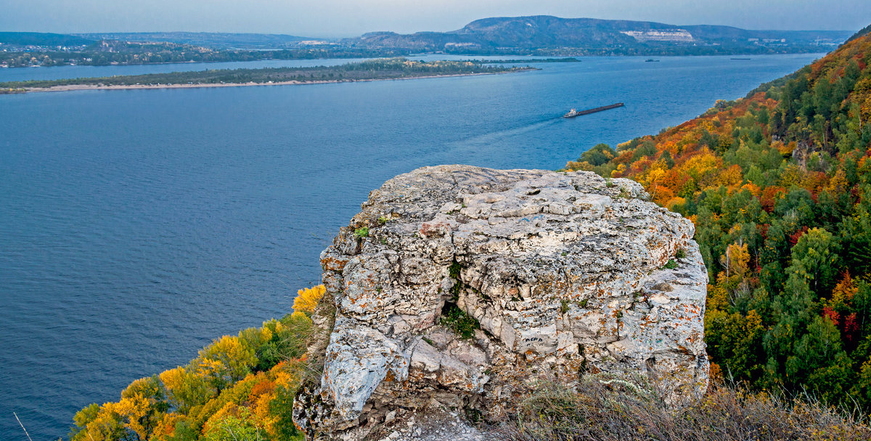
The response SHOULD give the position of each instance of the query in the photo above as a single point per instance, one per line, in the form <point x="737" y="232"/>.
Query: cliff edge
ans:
<point x="456" y="289"/>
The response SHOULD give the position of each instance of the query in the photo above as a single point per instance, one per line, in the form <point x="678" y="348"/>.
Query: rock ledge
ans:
<point x="550" y="276"/>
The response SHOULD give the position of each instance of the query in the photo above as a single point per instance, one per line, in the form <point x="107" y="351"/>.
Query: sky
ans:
<point x="345" y="18"/>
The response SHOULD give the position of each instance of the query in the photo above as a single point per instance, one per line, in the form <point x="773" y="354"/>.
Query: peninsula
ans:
<point x="372" y="70"/>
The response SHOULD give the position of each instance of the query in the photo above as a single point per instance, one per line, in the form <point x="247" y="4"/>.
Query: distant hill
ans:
<point x="213" y="40"/>
<point x="547" y="34"/>
<point x="42" y="39"/>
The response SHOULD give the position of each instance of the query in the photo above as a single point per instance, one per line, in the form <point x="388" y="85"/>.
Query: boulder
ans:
<point x="461" y="287"/>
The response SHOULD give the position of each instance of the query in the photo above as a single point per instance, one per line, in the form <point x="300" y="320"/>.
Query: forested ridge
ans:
<point x="778" y="185"/>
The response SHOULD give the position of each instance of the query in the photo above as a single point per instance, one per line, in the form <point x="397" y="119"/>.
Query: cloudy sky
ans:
<point x="341" y="18"/>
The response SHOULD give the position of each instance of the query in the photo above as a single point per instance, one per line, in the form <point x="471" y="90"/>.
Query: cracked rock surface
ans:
<point x="460" y="287"/>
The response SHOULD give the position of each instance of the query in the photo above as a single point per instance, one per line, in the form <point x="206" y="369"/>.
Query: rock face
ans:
<point x="460" y="287"/>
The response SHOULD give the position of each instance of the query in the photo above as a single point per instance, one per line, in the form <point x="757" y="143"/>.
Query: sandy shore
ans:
<point x="204" y="85"/>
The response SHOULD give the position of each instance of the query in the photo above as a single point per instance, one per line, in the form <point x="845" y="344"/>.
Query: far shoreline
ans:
<point x="77" y="87"/>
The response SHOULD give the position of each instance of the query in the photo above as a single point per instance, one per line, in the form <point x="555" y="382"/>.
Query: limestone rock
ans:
<point x="555" y="275"/>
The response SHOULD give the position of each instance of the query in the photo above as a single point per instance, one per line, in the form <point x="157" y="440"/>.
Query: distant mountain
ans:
<point x="42" y="39"/>
<point x="547" y="34"/>
<point x="213" y="40"/>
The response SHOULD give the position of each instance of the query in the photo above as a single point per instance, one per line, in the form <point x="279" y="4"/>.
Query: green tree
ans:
<point x="815" y="258"/>
<point x="233" y="428"/>
<point x="598" y="155"/>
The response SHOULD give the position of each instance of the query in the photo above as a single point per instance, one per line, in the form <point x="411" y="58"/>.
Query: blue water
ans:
<point x="136" y="226"/>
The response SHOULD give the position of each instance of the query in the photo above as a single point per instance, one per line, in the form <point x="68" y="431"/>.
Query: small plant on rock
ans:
<point x="459" y="321"/>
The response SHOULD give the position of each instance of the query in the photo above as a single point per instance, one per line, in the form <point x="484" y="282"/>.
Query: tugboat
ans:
<point x="572" y="113"/>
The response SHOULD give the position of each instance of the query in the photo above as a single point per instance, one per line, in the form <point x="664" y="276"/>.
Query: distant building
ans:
<point x="680" y="35"/>
<point x="453" y="45"/>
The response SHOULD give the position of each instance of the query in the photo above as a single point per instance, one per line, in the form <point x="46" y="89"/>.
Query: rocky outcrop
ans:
<point x="460" y="287"/>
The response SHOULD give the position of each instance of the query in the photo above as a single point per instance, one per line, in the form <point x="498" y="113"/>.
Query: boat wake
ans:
<point x="493" y="137"/>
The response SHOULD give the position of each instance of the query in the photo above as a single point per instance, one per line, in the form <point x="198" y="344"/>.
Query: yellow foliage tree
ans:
<point x="185" y="388"/>
<point x="307" y="299"/>
<point x="166" y="426"/>
<point x="100" y="423"/>
<point x="226" y="361"/>
<point x="736" y="260"/>
<point x="135" y="413"/>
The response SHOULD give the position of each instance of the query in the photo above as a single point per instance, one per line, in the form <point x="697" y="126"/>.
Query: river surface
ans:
<point x="138" y="225"/>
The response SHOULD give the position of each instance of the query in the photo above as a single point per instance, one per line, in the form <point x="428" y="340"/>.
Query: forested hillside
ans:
<point x="778" y="185"/>
<point x="238" y="388"/>
<point x="548" y="35"/>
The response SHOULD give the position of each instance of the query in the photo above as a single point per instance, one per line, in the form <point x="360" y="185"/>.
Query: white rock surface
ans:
<point x="565" y="272"/>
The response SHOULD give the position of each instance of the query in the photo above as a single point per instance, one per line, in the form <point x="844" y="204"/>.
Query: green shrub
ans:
<point x="459" y="321"/>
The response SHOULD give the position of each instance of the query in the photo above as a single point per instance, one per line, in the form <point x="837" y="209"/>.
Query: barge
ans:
<point x="573" y="113"/>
